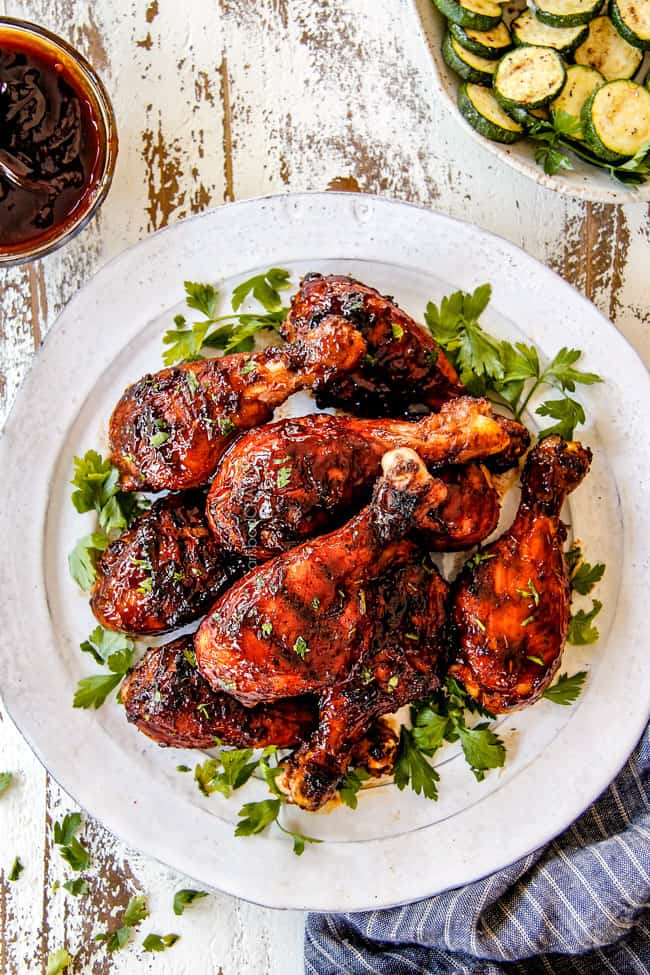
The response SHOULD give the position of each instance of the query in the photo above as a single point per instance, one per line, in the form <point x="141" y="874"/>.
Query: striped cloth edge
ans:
<point x="579" y="906"/>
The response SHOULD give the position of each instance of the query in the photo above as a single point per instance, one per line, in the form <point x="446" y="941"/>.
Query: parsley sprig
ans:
<point x="136" y="912"/>
<point x="96" y="483"/>
<point x="511" y="374"/>
<point x="566" y="689"/>
<point x="234" y="331"/>
<point x="556" y="138"/>
<point x="116" y="652"/>
<point x="438" y="719"/>
<point x="6" y="778"/>
<point x="583" y="577"/>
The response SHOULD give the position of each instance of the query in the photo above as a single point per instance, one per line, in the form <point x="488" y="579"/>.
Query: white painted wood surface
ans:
<point x="219" y="100"/>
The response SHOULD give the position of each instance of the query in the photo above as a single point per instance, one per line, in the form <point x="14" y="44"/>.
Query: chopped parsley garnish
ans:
<point x="477" y="558"/>
<point x="528" y="620"/>
<point x="158" y="439"/>
<point x="267" y="628"/>
<point x="477" y="622"/>
<point x="226" y="426"/>
<point x="535" y="660"/>
<point x="392" y="683"/>
<point x="183" y="898"/>
<point x="135" y="913"/>
<point x="183" y="768"/>
<point x="530" y="593"/>
<point x="284" y="476"/>
<point x="315" y="603"/>
<point x="16" y="870"/>
<point x="397" y="330"/>
<point x="6" y="778"/>
<point x="566" y="689"/>
<point x="300" y="647"/>
<point x="159" y="942"/>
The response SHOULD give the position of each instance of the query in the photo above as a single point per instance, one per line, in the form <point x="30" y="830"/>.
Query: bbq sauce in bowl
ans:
<point x="57" y="141"/>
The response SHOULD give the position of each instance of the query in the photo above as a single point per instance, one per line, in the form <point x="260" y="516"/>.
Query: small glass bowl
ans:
<point x="38" y="39"/>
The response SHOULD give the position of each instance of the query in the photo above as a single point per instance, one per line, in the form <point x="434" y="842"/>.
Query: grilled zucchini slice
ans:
<point x="580" y="84"/>
<point x="529" y="77"/>
<point x="631" y="18"/>
<point x="566" y="13"/>
<point x="469" y="66"/>
<point x="616" y="120"/>
<point x="490" y="44"/>
<point x="479" y="107"/>
<point x="528" y="117"/>
<point x="605" y="50"/>
<point x="527" y="29"/>
<point x="477" y="14"/>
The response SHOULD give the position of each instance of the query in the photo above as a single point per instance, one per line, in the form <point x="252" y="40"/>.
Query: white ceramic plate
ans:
<point x="584" y="181"/>
<point x="397" y="846"/>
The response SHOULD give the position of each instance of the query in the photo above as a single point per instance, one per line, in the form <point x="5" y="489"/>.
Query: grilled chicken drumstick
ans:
<point x="169" y="429"/>
<point x="511" y="606"/>
<point x="404" y="366"/>
<point x="165" y="571"/>
<point x="167" y="699"/>
<point x="290" y="480"/>
<point x="307" y="622"/>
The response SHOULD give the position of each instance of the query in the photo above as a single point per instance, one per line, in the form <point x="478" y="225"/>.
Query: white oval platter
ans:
<point x="397" y="846"/>
<point x="584" y="181"/>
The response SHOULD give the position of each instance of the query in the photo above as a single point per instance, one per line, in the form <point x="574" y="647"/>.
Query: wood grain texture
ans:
<point x="219" y="100"/>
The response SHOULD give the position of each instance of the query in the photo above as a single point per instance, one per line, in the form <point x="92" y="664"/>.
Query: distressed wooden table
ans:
<point x="219" y="100"/>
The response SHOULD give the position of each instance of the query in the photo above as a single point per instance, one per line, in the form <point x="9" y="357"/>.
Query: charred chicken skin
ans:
<point x="167" y="699"/>
<point x="165" y="571"/>
<point x="169" y="429"/>
<point x="511" y="604"/>
<point x="401" y="662"/>
<point x="403" y="367"/>
<point x="311" y="621"/>
<point x="290" y="480"/>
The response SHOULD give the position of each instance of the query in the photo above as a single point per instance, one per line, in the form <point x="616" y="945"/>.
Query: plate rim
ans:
<point x="588" y="192"/>
<point x="345" y="202"/>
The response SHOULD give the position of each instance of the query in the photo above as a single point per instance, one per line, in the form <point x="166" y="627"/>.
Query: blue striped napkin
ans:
<point x="579" y="905"/>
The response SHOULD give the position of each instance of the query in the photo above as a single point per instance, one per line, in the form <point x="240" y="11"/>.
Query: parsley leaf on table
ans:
<point x="581" y="631"/>
<point x="6" y="778"/>
<point x="566" y="689"/>
<point x="57" y="961"/>
<point x="183" y="898"/>
<point x="78" y="887"/>
<point x="135" y="913"/>
<point x="159" y="942"/>
<point x="71" y="849"/>
<point x="16" y="870"/>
